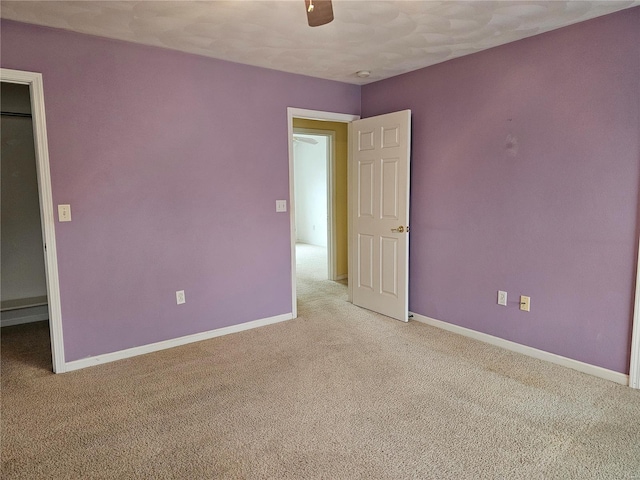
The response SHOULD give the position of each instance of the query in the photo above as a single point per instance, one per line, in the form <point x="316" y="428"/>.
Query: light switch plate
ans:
<point x="502" y="298"/>
<point x="180" y="298"/>
<point x="64" y="213"/>
<point x="281" y="205"/>
<point x="525" y="303"/>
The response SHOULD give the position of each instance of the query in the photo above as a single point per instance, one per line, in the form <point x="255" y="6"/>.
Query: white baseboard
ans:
<point x="18" y="314"/>
<point x="344" y="276"/>
<point x="9" y="322"/>
<point x="174" y="342"/>
<point x="594" y="370"/>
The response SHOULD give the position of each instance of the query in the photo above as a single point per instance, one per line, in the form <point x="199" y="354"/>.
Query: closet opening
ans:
<point x="24" y="310"/>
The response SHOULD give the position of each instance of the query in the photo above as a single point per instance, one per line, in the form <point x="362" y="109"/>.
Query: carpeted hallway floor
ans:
<point x="339" y="393"/>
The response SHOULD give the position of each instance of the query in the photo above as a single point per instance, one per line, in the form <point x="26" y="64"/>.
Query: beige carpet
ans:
<point x="339" y="393"/>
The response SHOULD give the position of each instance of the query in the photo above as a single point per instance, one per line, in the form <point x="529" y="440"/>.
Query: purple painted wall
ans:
<point x="554" y="217"/>
<point x="172" y="164"/>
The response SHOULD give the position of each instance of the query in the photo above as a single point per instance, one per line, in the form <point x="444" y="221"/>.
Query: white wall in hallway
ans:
<point x="310" y="170"/>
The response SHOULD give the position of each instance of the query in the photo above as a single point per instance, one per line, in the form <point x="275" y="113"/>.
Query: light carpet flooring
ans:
<point x="339" y="393"/>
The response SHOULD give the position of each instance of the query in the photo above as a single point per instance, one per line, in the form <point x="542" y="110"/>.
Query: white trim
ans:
<point x="525" y="350"/>
<point x="332" y="238"/>
<point x="321" y="115"/>
<point x="10" y="322"/>
<point x="174" y="342"/>
<point x="34" y="80"/>
<point x="634" y="367"/>
<point x="342" y="277"/>
<point x="350" y="203"/>
<point x="310" y="115"/>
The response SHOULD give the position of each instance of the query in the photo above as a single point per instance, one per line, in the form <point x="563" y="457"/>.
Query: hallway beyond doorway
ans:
<point x="311" y="261"/>
<point x="314" y="287"/>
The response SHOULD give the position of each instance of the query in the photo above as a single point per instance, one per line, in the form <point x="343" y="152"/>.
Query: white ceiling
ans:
<point x="386" y="37"/>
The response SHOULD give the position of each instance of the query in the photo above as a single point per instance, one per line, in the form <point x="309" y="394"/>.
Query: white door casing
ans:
<point x="634" y="368"/>
<point x="34" y="80"/>
<point x="379" y="186"/>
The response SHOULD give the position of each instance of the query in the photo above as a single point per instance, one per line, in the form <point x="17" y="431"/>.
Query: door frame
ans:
<point x="331" y="214"/>
<point x="34" y="81"/>
<point x="292" y="113"/>
<point x="634" y="367"/>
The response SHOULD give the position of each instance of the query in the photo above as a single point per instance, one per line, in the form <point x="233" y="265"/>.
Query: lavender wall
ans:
<point x="555" y="217"/>
<point x="172" y="164"/>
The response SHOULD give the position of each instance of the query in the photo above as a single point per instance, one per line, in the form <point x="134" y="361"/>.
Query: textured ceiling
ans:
<point x="386" y="37"/>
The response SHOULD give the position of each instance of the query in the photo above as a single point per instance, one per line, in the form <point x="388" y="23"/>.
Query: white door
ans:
<point x="380" y="213"/>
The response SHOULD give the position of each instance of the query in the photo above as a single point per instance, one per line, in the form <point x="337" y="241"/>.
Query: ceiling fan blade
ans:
<point x="321" y="12"/>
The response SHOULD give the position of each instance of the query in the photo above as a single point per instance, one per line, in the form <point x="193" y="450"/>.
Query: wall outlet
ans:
<point x="180" y="297"/>
<point x="525" y="303"/>
<point x="502" y="298"/>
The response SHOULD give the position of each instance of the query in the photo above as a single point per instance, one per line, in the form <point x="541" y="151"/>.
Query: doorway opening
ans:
<point x="313" y="160"/>
<point x="318" y="196"/>
<point x="24" y="287"/>
<point x="31" y="291"/>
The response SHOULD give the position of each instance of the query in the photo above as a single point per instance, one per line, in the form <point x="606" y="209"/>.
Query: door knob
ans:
<point x="400" y="229"/>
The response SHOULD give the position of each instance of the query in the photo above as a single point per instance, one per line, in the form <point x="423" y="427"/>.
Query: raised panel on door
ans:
<point x="389" y="266"/>
<point x="389" y="189"/>
<point x="365" y="188"/>
<point x="365" y="261"/>
<point x="366" y="140"/>
<point x="390" y="137"/>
